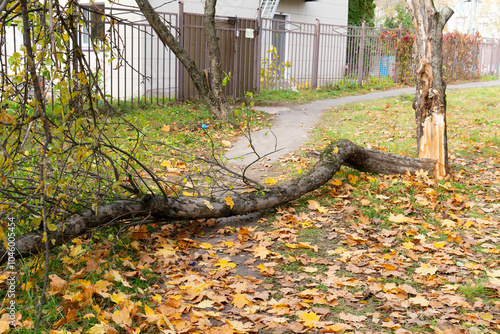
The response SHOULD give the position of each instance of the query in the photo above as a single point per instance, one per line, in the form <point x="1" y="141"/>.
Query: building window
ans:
<point x="92" y="31"/>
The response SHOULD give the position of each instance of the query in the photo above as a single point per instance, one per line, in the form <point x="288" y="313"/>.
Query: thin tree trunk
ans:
<point x="199" y="78"/>
<point x="430" y="98"/>
<point x="214" y="57"/>
<point x="332" y="158"/>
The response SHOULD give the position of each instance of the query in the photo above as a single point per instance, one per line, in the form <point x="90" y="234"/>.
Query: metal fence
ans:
<point x="256" y="53"/>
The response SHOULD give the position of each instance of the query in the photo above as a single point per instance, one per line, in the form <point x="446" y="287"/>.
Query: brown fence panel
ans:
<point x="238" y="43"/>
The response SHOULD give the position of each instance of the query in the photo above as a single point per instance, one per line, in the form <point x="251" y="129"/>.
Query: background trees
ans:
<point x="361" y="10"/>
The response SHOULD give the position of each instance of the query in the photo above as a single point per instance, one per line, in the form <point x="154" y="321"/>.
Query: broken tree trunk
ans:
<point x="430" y="98"/>
<point x="331" y="159"/>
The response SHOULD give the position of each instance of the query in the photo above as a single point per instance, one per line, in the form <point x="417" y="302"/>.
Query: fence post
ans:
<point x="492" y="66"/>
<point x="257" y="50"/>
<point x="315" y="63"/>
<point x="361" y="53"/>
<point x="396" y="61"/>
<point x="497" y="61"/>
<point x="180" y="73"/>
<point x="234" y="78"/>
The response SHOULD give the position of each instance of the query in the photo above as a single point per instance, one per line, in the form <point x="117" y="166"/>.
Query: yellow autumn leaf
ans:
<point x="487" y="317"/>
<point x="270" y="180"/>
<point x="336" y="150"/>
<point x="471" y="265"/>
<point x="205" y="245"/>
<point x="398" y="219"/>
<point x="448" y="223"/>
<point x="118" y="298"/>
<point x="240" y="300"/>
<point x="207" y="303"/>
<point x="225" y="264"/>
<point x="229" y="201"/>
<point x="309" y="318"/>
<point x="336" y="182"/>
<point x="408" y="245"/>
<point x="166" y="164"/>
<point x="425" y="269"/>
<point x="148" y="310"/>
<point x="157" y="298"/>
<point x="493" y="273"/>
<point x="352" y="178"/>
<point x="75" y="251"/>
<point x="208" y="205"/>
<point x="439" y="244"/>
<point x="419" y="300"/>
<point x="4" y="326"/>
<point x="261" y="252"/>
<point x="313" y="205"/>
<point x="97" y="329"/>
<point x="310" y="269"/>
<point x="229" y="244"/>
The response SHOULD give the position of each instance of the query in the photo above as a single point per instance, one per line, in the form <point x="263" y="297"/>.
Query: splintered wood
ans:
<point x="432" y="142"/>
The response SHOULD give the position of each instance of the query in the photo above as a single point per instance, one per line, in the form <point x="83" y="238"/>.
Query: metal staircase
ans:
<point x="268" y="8"/>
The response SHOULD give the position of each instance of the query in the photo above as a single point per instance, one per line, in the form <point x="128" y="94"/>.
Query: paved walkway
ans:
<point x="292" y="125"/>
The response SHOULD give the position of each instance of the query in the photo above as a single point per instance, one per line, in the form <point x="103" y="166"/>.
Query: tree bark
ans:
<point x="214" y="57"/>
<point x="331" y="159"/>
<point x="216" y="104"/>
<point x="430" y="98"/>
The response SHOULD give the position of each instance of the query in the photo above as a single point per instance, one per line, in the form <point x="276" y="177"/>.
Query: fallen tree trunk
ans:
<point x="331" y="159"/>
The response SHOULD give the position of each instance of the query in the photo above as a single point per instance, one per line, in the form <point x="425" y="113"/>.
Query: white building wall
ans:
<point x="327" y="11"/>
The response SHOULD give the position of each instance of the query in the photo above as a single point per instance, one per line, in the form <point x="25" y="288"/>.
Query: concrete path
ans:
<point x="292" y="126"/>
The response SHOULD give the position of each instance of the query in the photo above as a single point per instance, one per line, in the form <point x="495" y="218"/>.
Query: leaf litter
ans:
<point x="365" y="253"/>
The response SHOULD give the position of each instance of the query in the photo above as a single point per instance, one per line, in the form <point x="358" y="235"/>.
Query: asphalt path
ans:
<point x="293" y="125"/>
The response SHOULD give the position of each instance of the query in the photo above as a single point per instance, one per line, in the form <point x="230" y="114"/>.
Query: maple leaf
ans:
<point x="313" y="205"/>
<point x="116" y="276"/>
<point x="336" y="328"/>
<point x="352" y="179"/>
<point x="472" y="266"/>
<point x="4" y="326"/>
<point x="352" y="317"/>
<point x="425" y="269"/>
<point x="240" y="300"/>
<point x="419" y="300"/>
<point x="439" y="244"/>
<point x="118" y="298"/>
<point x="229" y="201"/>
<point x="57" y="284"/>
<point x="261" y="252"/>
<point x="167" y="251"/>
<point x="398" y="219"/>
<point x="97" y="329"/>
<point x="101" y="287"/>
<point x="122" y="317"/>
<point x="270" y="181"/>
<point x="309" y="318"/>
<point x="448" y="223"/>
<point x="224" y="263"/>
<point x="207" y="303"/>
<point x="266" y="271"/>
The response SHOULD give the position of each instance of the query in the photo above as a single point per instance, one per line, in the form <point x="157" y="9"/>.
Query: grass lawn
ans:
<point x="363" y="254"/>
